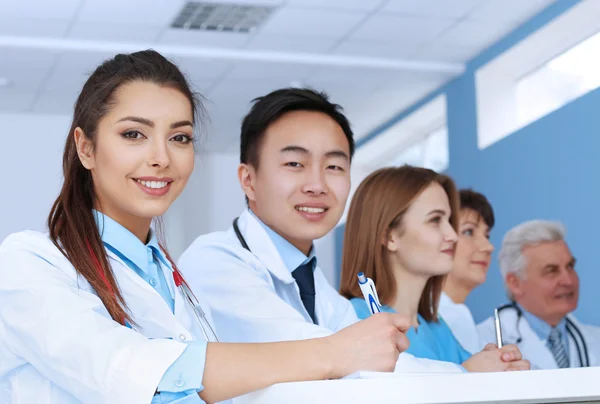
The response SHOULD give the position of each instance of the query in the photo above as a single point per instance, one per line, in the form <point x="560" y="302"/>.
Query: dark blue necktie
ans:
<point x="305" y="279"/>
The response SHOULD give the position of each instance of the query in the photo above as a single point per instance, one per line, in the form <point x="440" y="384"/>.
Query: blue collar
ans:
<point x="125" y="244"/>
<point x="291" y="256"/>
<point x="542" y="328"/>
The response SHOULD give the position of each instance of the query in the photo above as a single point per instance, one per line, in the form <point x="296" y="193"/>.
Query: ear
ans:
<point x="246" y="176"/>
<point x="514" y="284"/>
<point x="391" y="240"/>
<point x="84" y="148"/>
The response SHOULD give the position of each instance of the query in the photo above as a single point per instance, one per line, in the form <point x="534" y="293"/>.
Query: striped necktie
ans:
<point x="557" y="347"/>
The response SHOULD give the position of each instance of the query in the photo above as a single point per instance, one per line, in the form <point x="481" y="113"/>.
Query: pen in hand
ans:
<point x="498" y="328"/>
<point x="367" y="287"/>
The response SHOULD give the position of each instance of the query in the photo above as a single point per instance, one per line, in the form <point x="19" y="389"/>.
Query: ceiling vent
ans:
<point x="225" y="17"/>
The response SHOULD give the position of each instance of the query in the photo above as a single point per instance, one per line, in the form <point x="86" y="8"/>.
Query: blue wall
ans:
<point x="546" y="170"/>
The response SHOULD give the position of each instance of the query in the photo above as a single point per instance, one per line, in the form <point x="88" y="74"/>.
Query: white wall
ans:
<point x="226" y="196"/>
<point x="212" y="199"/>
<point x="325" y="248"/>
<point x="30" y="163"/>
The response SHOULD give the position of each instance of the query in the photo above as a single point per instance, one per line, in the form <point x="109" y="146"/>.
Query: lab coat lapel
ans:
<point x="263" y="248"/>
<point x="151" y="314"/>
<point x="265" y="251"/>
<point x="535" y="349"/>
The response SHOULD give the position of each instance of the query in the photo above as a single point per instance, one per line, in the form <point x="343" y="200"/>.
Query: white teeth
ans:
<point x="153" y="184"/>
<point x="310" y="210"/>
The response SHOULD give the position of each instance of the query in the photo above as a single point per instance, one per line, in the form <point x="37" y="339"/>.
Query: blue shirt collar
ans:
<point x="540" y="327"/>
<point x="121" y="240"/>
<point x="291" y="256"/>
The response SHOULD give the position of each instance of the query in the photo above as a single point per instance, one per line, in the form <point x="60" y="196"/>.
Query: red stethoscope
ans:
<point x="192" y="301"/>
<point x="186" y="292"/>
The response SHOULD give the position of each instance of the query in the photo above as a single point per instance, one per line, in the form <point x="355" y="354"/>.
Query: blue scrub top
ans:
<point x="433" y="340"/>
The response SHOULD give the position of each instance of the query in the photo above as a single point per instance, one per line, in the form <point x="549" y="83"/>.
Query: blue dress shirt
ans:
<point x="182" y="381"/>
<point x="291" y="256"/>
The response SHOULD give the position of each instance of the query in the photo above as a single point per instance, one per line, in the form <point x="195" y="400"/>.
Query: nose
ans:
<point x="315" y="182"/>
<point x="485" y="245"/>
<point x="159" y="153"/>
<point x="449" y="234"/>
<point x="567" y="277"/>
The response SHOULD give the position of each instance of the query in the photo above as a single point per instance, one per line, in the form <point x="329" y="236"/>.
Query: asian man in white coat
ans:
<point x="539" y="274"/>
<point x="261" y="276"/>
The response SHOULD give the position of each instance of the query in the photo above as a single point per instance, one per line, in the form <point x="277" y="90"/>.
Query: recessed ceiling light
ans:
<point x="4" y="82"/>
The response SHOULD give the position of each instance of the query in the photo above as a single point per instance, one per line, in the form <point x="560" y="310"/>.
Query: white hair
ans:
<point x="511" y="258"/>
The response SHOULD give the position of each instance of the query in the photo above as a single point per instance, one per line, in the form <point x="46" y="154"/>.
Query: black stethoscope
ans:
<point x="572" y="330"/>
<point x="238" y="234"/>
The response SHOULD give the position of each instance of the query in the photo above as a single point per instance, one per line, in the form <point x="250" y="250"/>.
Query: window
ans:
<point x="538" y="75"/>
<point x="419" y="139"/>
<point x="431" y="152"/>
<point x="558" y="81"/>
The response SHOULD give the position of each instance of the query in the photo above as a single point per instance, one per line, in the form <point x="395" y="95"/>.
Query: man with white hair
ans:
<point x="540" y="278"/>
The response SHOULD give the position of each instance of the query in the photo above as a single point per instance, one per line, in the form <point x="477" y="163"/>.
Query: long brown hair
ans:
<point x="71" y="222"/>
<point x="378" y="206"/>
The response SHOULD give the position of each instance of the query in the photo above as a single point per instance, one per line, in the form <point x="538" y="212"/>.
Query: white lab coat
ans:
<point x="532" y="347"/>
<point x="460" y="320"/>
<point x="254" y="298"/>
<point x="58" y="343"/>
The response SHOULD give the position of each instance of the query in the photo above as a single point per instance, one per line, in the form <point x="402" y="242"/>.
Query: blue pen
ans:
<point x="369" y="292"/>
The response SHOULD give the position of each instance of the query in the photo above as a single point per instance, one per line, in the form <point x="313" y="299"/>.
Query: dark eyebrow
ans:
<point x="302" y="150"/>
<point x="137" y="119"/>
<point x="573" y="261"/>
<point x="438" y="212"/>
<point x="179" y="124"/>
<point x="149" y="123"/>
<point x="294" y="149"/>
<point x="339" y="154"/>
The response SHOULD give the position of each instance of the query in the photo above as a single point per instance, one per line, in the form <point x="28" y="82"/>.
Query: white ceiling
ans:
<point x="445" y="31"/>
